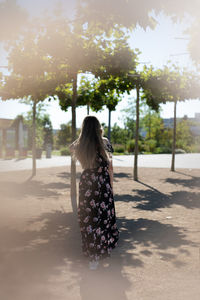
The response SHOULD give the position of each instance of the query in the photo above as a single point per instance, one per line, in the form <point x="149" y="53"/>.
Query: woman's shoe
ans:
<point x="93" y="265"/>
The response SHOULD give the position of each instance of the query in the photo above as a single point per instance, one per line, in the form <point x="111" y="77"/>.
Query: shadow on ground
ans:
<point x="67" y="175"/>
<point x="46" y="262"/>
<point x="121" y="175"/>
<point x="33" y="261"/>
<point x="153" y="199"/>
<point x="34" y="188"/>
<point x="191" y="182"/>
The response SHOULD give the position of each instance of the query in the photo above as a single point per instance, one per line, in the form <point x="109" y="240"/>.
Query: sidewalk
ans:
<point x="158" y="253"/>
<point x="190" y="161"/>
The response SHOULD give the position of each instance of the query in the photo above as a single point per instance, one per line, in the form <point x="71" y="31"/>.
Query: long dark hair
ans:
<point x="89" y="143"/>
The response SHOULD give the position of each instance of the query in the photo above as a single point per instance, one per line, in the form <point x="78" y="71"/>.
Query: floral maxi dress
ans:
<point x="96" y="212"/>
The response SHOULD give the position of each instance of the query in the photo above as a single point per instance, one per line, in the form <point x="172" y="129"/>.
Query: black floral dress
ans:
<point x="96" y="212"/>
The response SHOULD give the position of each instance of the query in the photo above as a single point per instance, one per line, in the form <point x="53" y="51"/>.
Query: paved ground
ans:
<point x="190" y="161"/>
<point x="158" y="256"/>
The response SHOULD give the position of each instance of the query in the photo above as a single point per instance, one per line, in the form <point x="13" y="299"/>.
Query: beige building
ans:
<point x="13" y="136"/>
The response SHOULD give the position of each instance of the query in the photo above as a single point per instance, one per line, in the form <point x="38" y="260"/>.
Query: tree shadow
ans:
<point x="146" y="232"/>
<point x="187" y="199"/>
<point x="192" y="182"/>
<point x="183" y="173"/>
<point x="67" y="175"/>
<point x="34" y="188"/>
<point x="154" y="200"/>
<point x="35" y="260"/>
<point x="148" y="199"/>
<point x="122" y="175"/>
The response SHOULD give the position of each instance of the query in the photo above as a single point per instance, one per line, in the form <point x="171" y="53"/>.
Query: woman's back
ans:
<point x="90" y="144"/>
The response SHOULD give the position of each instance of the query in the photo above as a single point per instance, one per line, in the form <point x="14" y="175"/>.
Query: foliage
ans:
<point x="44" y="130"/>
<point x="193" y="46"/>
<point x="129" y="116"/>
<point x="64" y="151"/>
<point x="158" y="139"/>
<point x="131" y="145"/>
<point x="154" y="127"/>
<point x="185" y="139"/>
<point x="170" y="84"/>
<point x="119" y="148"/>
<point x="150" y="145"/>
<point x="47" y="130"/>
<point x="119" y="135"/>
<point x="107" y="14"/>
<point x="106" y="87"/>
<point x="64" y="135"/>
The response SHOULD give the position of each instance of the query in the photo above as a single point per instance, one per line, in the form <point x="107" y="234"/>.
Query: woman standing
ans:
<point x="96" y="210"/>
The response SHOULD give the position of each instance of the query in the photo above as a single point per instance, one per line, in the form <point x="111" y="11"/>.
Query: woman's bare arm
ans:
<point x="110" y="170"/>
<point x="109" y="149"/>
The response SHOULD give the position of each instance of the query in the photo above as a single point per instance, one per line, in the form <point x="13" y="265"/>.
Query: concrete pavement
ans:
<point x="188" y="161"/>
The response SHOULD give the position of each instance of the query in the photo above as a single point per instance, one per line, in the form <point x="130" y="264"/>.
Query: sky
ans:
<point x="157" y="47"/>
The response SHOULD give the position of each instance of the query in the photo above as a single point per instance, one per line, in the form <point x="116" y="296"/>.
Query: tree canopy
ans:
<point x="106" y="14"/>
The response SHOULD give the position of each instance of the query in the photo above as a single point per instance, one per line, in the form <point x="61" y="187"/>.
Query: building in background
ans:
<point x="195" y="127"/>
<point x="13" y="136"/>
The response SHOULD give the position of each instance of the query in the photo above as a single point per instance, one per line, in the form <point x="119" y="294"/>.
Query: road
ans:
<point x="188" y="161"/>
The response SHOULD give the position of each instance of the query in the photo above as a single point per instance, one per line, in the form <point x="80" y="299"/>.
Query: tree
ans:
<point x="194" y="42"/>
<point x="119" y="135"/>
<point x="64" y="134"/>
<point x="153" y="124"/>
<point x="76" y="50"/>
<point x="137" y="81"/>
<point x="106" y="14"/>
<point x="28" y="78"/>
<point x="171" y="85"/>
<point x="47" y="130"/>
<point x="28" y="119"/>
<point x="185" y="138"/>
<point x="110" y="93"/>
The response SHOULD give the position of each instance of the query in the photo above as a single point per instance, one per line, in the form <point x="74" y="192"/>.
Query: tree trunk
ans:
<point x="88" y="109"/>
<point x="174" y="140"/>
<point x="73" y="162"/>
<point x="34" y="140"/>
<point x="135" y="171"/>
<point x="109" y="124"/>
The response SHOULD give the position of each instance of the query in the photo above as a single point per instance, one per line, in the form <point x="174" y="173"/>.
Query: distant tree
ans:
<point x="154" y="126"/>
<point x="184" y="136"/>
<point x="28" y="78"/>
<point x="129" y="116"/>
<point x="110" y="94"/>
<point x="64" y="134"/>
<point x="43" y="126"/>
<point x="137" y="80"/>
<point x="171" y="84"/>
<point x="47" y="130"/>
<point x="119" y="135"/>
